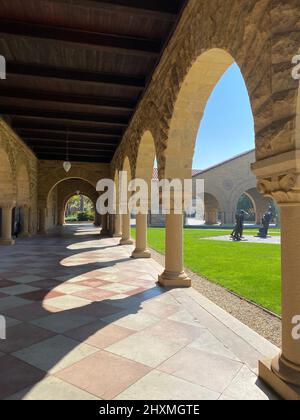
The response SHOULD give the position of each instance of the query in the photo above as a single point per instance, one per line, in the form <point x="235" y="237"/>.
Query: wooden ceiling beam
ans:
<point x="76" y="38"/>
<point x="75" y="75"/>
<point x="64" y="115"/>
<point x="45" y="128"/>
<point x="64" y="98"/>
<point x="155" y="9"/>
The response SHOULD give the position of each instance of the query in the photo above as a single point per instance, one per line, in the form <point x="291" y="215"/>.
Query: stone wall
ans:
<point x="18" y="174"/>
<point x="259" y="36"/>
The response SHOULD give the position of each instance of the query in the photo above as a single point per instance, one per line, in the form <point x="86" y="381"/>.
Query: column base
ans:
<point x="104" y="234"/>
<point x="169" y="279"/>
<point x="284" y="389"/>
<point x="286" y="371"/>
<point x="7" y="242"/>
<point x="126" y="242"/>
<point x="140" y="253"/>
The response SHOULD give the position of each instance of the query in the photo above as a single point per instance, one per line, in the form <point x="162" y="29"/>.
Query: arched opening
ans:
<point x="79" y="209"/>
<point x="247" y="204"/>
<point x="212" y="210"/>
<point x="189" y="109"/>
<point x="59" y="195"/>
<point x="256" y="205"/>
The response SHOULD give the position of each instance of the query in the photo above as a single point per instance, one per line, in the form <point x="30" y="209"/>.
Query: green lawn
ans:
<point x="250" y="270"/>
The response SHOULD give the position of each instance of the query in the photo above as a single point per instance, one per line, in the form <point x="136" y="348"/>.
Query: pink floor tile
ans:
<point x="113" y="375"/>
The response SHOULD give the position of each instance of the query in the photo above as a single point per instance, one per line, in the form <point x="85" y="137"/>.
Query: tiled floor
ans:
<point x="87" y="322"/>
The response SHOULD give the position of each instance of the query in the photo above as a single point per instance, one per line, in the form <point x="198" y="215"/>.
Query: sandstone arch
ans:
<point x="7" y="186"/>
<point x="212" y="209"/>
<point x="146" y="157"/>
<point x="23" y="186"/>
<point x="195" y="91"/>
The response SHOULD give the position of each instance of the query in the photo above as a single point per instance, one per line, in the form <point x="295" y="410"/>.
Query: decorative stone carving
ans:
<point x="283" y="188"/>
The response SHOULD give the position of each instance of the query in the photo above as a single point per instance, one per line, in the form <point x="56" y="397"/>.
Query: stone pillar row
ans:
<point x="7" y="223"/>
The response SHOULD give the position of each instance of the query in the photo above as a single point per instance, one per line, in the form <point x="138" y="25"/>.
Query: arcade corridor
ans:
<point x="85" y="321"/>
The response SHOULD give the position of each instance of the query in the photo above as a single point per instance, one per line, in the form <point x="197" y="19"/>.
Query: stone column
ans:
<point x="105" y="227"/>
<point x="283" y="372"/>
<point x="126" y="234"/>
<point x="118" y="227"/>
<point x="25" y="230"/>
<point x="6" y="238"/>
<point x="111" y="225"/>
<point x="43" y="220"/>
<point x="61" y="217"/>
<point x="287" y="365"/>
<point x="174" y="274"/>
<point x="141" y="250"/>
<point x="97" y="219"/>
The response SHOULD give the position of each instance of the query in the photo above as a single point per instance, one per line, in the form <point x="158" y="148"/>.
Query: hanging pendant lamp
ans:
<point x="67" y="164"/>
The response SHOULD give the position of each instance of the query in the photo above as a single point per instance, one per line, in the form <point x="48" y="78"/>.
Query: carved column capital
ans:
<point x="283" y="188"/>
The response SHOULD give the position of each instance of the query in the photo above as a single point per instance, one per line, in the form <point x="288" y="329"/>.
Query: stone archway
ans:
<point x="67" y="189"/>
<point x="7" y="185"/>
<point x="212" y="209"/>
<point x="189" y="108"/>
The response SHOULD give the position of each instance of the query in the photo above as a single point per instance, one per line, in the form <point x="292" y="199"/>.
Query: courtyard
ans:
<point x="211" y="254"/>
<point x="75" y="302"/>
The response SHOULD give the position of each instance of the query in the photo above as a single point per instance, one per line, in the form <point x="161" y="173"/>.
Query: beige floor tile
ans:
<point x="136" y="322"/>
<point x="246" y="386"/>
<point x="53" y="389"/>
<point x="160" y="386"/>
<point x="55" y="354"/>
<point x="68" y="302"/>
<point x="118" y="288"/>
<point x="175" y="332"/>
<point x="70" y="288"/>
<point x="145" y="349"/>
<point x="209" y="343"/>
<point x="186" y="318"/>
<point x="209" y="370"/>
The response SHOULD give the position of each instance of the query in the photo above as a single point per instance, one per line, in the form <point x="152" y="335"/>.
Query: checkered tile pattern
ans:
<point x="85" y="322"/>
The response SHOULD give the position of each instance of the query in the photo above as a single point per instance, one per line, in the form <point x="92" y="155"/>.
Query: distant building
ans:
<point x="224" y="186"/>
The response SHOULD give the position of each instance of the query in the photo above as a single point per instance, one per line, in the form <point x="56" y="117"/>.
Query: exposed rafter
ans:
<point x="158" y="9"/>
<point x="63" y="98"/>
<point x="61" y="137"/>
<point x="83" y="39"/>
<point x="61" y="115"/>
<point x="41" y="129"/>
<point x="81" y="76"/>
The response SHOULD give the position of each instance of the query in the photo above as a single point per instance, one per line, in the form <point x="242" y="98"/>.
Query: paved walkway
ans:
<point x="248" y="238"/>
<point x="87" y="322"/>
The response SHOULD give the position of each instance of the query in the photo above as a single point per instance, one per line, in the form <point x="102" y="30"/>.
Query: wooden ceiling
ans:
<point x="77" y="69"/>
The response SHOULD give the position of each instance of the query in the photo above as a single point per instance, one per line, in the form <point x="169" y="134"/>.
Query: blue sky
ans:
<point x="227" y="127"/>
